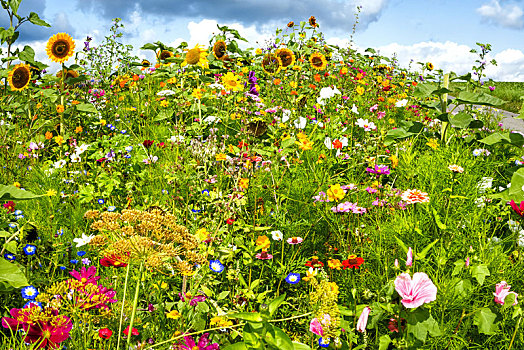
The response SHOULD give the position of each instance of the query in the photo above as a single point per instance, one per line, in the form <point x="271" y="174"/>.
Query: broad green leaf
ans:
<point x="252" y="334"/>
<point x="11" y="247"/>
<point x="479" y="272"/>
<point x="5" y="234"/>
<point x="479" y="98"/>
<point x="485" y="320"/>
<point x="223" y="295"/>
<point x="275" y="303"/>
<point x="462" y="288"/>
<point x="13" y="193"/>
<point x="33" y="18"/>
<point x="509" y="300"/>
<point x="424" y="90"/>
<point x="27" y="54"/>
<point x="401" y="244"/>
<point x="86" y="107"/>
<point x="162" y="115"/>
<point x="149" y="46"/>
<point x="247" y="316"/>
<point x="279" y="339"/>
<point x="236" y="346"/>
<point x="517" y="181"/>
<point x="12" y="274"/>
<point x="384" y="342"/>
<point x="300" y="346"/>
<point x="460" y="120"/>
<point x="459" y="266"/>
<point x="14" y="4"/>
<point x="421" y="322"/>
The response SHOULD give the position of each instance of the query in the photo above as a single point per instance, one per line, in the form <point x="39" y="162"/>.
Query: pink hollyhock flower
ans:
<point x="363" y="320"/>
<point x="315" y="327"/>
<point x="502" y="291"/>
<point x="417" y="291"/>
<point x="409" y="258"/>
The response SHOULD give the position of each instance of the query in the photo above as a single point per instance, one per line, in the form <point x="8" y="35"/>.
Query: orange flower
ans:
<point x="79" y="129"/>
<point x="60" y="109"/>
<point x="277" y="81"/>
<point x="75" y="102"/>
<point x="263" y="242"/>
<point x="293" y="92"/>
<point x="318" y="78"/>
<point x="381" y="99"/>
<point x="414" y="83"/>
<point x="162" y="84"/>
<point x="136" y="77"/>
<point x="48" y="135"/>
<point x="414" y="196"/>
<point x="311" y="86"/>
<point x="244" y="183"/>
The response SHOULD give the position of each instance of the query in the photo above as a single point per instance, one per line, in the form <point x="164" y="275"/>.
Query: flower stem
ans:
<point x="122" y="309"/>
<point x="135" y="302"/>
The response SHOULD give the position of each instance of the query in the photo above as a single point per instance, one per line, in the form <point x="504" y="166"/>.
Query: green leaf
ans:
<point x="401" y="244"/>
<point x="479" y="272"/>
<point x="300" y="346"/>
<point x="459" y="266"/>
<point x="33" y="18"/>
<point x="421" y="322"/>
<point x="27" y="54"/>
<point x="11" y="247"/>
<point x="424" y="252"/>
<point x="275" y="303"/>
<point x="279" y="339"/>
<point x="495" y="138"/>
<point x="86" y="107"/>
<point x="247" y="316"/>
<point x="14" y="4"/>
<point x="5" y="234"/>
<point x="384" y="342"/>
<point x="509" y="300"/>
<point x="13" y="193"/>
<point x="517" y="181"/>
<point x="12" y="274"/>
<point x="149" y="46"/>
<point x="236" y="346"/>
<point x="252" y="334"/>
<point x="223" y="295"/>
<point x="479" y="98"/>
<point x="460" y="120"/>
<point x="485" y="320"/>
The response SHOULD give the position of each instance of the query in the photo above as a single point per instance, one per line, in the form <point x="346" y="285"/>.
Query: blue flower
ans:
<point x="81" y="253"/>
<point x="206" y="192"/>
<point x="12" y="225"/>
<point x="9" y="256"/>
<point x="29" y="249"/>
<point x="216" y="266"/>
<point x="129" y="148"/>
<point x="60" y="232"/>
<point x="74" y="261"/>
<point x="18" y="217"/>
<point x="293" y="278"/>
<point x="62" y="268"/>
<point x="323" y="343"/>
<point x="196" y="210"/>
<point x="18" y="212"/>
<point x="29" y="292"/>
<point x="123" y="131"/>
<point x="101" y="201"/>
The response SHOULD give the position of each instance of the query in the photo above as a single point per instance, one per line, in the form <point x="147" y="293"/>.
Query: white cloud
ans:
<point x="505" y="15"/>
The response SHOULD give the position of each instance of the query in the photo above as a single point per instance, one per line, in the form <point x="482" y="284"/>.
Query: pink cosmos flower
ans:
<point x="86" y="275"/>
<point x="315" y="327"/>
<point x="409" y="258"/>
<point x="502" y="291"/>
<point x="295" y="240"/>
<point x="417" y="291"/>
<point x="363" y="320"/>
<point x="203" y="344"/>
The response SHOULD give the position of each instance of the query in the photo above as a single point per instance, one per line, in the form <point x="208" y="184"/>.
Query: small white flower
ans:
<point x="165" y="93"/>
<point x="300" y="123"/>
<point x="210" y="119"/>
<point x="177" y="138"/>
<point x="60" y="163"/>
<point x="485" y="184"/>
<point x="277" y="235"/>
<point x="401" y="103"/>
<point x="81" y="149"/>
<point x="83" y="240"/>
<point x="354" y="109"/>
<point x="286" y="113"/>
<point x="75" y="158"/>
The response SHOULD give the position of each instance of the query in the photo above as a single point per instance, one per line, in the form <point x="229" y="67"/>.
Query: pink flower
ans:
<point x="363" y="320"/>
<point x="86" y="275"/>
<point x="295" y="240"/>
<point x="519" y="209"/>
<point x="502" y="291"/>
<point x="203" y="343"/>
<point x="315" y="327"/>
<point x="467" y="261"/>
<point x="409" y="258"/>
<point x="417" y="291"/>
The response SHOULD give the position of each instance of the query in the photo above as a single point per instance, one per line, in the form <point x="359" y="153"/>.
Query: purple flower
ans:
<point x="491" y="88"/>
<point x="203" y="343"/>
<point x="380" y="169"/>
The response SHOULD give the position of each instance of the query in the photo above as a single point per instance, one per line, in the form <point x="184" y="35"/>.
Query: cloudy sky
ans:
<point x="437" y="31"/>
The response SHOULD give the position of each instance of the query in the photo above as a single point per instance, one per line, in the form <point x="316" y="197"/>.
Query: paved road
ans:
<point x="508" y="121"/>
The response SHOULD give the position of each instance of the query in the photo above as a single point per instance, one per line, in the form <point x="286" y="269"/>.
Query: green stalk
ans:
<point x="122" y="309"/>
<point x="514" y="333"/>
<point x="444" y="109"/>
<point x="135" y="302"/>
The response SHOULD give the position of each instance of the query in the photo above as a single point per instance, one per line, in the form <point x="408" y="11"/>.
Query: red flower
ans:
<point x="134" y="331"/>
<point x="352" y="262"/>
<point x="230" y="221"/>
<point x="242" y="144"/>
<point x="148" y="143"/>
<point x="113" y="260"/>
<point x="314" y="263"/>
<point x="518" y="209"/>
<point x="337" y="144"/>
<point x="10" y="206"/>
<point x="105" y="333"/>
<point x="161" y="145"/>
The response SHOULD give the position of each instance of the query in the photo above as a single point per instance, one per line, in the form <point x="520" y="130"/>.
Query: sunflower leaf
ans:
<point x="33" y="18"/>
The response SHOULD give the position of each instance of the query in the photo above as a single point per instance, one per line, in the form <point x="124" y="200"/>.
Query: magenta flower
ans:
<point x="519" y="209"/>
<point x="315" y="327"/>
<point x="363" y="320"/>
<point x="409" y="258"/>
<point x="86" y="276"/>
<point x="417" y="291"/>
<point x="203" y="344"/>
<point x="502" y="291"/>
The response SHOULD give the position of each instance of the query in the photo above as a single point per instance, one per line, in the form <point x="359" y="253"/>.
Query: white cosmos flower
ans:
<point x="401" y="103"/>
<point x="300" y="123"/>
<point x="367" y="125"/>
<point x="286" y="113"/>
<point x="165" y="93"/>
<point x="83" y="240"/>
<point x="277" y="235"/>
<point x="81" y="149"/>
<point x="75" y="158"/>
<point x="354" y="109"/>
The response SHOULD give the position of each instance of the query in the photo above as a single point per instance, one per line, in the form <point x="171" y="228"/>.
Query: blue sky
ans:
<point x="439" y="31"/>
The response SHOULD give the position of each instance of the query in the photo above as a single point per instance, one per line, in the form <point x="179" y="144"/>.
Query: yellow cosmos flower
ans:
<point x="231" y="83"/>
<point x="173" y="314"/>
<point x="360" y="90"/>
<point x="335" y="193"/>
<point x="220" y="157"/>
<point x="263" y="242"/>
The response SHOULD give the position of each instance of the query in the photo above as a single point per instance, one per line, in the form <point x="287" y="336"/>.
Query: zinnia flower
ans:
<point x="352" y="262"/>
<point x="417" y="291"/>
<point x="414" y="196"/>
<point x="518" y="209"/>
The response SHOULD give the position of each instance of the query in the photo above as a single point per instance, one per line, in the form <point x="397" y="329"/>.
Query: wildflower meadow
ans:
<point x="290" y="195"/>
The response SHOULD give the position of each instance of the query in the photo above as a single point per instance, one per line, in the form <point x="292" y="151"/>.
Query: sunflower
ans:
<point x="19" y="77"/>
<point x="70" y="73"/>
<point x="146" y="63"/>
<point x="231" y="83"/>
<point x="195" y="56"/>
<point x="429" y="66"/>
<point x="313" y="21"/>
<point x="271" y="64"/>
<point x="60" y="47"/>
<point x="286" y="56"/>
<point x="291" y="24"/>
<point x="318" y="61"/>
<point x="219" y="49"/>
<point x="164" y="54"/>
